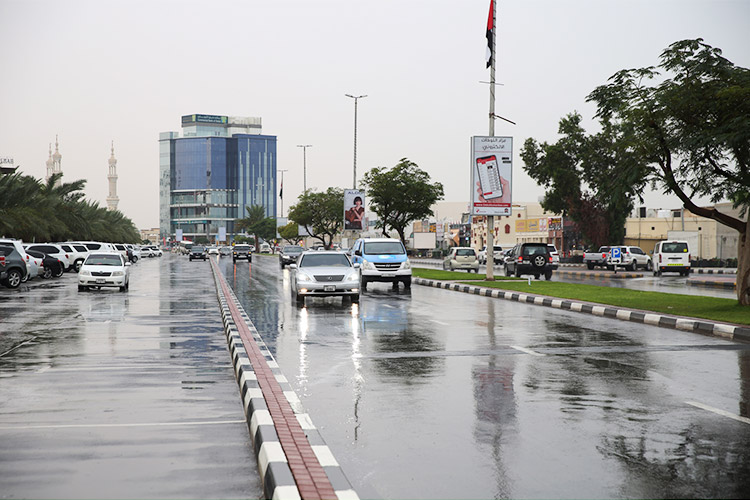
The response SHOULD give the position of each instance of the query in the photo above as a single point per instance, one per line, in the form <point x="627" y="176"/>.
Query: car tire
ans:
<point x="58" y="273"/>
<point x="363" y="282"/>
<point x="634" y="266"/>
<point x="13" y="280"/>
<point x="355" y="299"/>
<point x="47" y="273"/>
<point x="407" y="282"/>
<point x="81" y="288"/>
<point x="548" y="275"/>
<point x="300" y="299"/>
<point x="445" y="266"/>
<point x="649" y="266"/>
<point x="590" y="265"/>
<point x="518" y="272"/>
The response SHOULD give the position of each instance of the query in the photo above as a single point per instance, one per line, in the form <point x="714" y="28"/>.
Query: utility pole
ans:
<point x="304" y="164"/>
<point x="356" y="98"/>
<point x="490" y="274"/>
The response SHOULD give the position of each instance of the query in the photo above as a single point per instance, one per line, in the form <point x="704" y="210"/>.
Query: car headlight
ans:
<point x="84" y="272"/>
<point x="352" y="277"/>
<point x="118" y="273"/>
<point x="303" y="276"/>
<point x="366" y="264"/>
<point x="406" y="265"/>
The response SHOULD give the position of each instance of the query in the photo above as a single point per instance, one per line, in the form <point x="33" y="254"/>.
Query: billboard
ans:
<point x="222" y="234"/>
<point x="178" y="235"/>
<point x="491" y="175"/>
<point x="354" y="209"/>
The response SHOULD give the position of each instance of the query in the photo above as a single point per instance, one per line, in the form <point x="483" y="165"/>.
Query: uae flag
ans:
<point x="490" y="34"/>
<point x="281" y="189"/>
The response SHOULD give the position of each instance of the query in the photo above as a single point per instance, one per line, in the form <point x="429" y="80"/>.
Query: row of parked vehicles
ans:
<point x="668" y="256"/>
<point x="20" y="262"/>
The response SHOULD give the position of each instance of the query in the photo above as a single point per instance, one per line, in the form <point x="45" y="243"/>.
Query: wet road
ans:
<point x="439" y="394"/>
<point x="121" y="395"/>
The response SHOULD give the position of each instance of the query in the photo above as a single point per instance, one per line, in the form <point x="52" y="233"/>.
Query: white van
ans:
<point x="672" y="257"/>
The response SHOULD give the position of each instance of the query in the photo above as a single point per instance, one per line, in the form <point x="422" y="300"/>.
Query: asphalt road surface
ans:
<point x="439" y="394"/>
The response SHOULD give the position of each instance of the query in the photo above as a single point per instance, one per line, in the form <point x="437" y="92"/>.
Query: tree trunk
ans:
<point x="743" y="265"/>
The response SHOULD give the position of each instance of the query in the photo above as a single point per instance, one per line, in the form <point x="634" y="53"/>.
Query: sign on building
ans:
<point x="491" y="175"/>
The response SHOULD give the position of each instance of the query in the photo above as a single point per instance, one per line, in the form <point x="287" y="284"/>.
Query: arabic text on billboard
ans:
<point x="491" y="175"/>
<point x="204" y="119"/>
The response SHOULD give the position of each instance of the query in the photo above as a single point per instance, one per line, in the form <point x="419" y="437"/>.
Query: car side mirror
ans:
<point x="128" y="264"/>
<point x="356" y="266"/>
<point x="292" y="266"/>
<point x="358" y="253"/>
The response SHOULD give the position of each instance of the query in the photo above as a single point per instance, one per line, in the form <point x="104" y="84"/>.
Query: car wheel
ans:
<point x="590" y="265"/>
<point x="81" y="288"/>
<point x="47" y="273"/>
<point x="300" y="300"/>
<point x="634" y="266"/>
<point x="25" y="278"/>
<point x="407" y="282"/>
<point x="13" y="280"/>
<point x="649" y="266"/>
<point x="548" y="275"/>
<point x="445" y="266"/>
<point x="518" y="272"/>
<point x="363" y="282"/>
<point x="355" y="299"/>
<point x="59" y="273"/>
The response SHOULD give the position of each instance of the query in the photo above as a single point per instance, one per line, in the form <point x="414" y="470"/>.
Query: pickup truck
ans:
<point x="599" y="258"/>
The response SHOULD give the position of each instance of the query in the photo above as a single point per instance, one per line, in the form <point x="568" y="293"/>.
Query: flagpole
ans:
<point x="490" y="253"/>
<point x="281" y="192"/>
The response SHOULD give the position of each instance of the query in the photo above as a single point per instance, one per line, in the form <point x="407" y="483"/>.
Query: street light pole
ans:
<point x="304" y="164"/>
<point x="356" y="98"/>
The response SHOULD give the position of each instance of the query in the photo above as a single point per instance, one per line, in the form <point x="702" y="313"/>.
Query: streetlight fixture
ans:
<point x="304" y="164"/>
<point x="356" y="98"/>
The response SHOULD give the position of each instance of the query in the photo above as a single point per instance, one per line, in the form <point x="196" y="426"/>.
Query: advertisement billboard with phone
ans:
<point x="491" y="175"/>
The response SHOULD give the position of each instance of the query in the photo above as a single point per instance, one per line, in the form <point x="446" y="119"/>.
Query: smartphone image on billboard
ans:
<point x="489" y="177"/>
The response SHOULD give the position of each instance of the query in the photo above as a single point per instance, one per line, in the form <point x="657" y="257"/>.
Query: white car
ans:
<point x="555" y="255"/>
<point x="77" y="252"/>
<point x="324" y="274"/>
<point x="108" y="269"/>
<point x="462" y="258"/>
<point x="630" y="258"/>
<point x="55" y="251"/>
<point x="213" y="251"/>
<point x="497" y="252"/>
<point x="672" y="257"/>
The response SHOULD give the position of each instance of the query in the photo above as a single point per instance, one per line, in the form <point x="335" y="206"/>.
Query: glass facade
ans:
<point x="206" y="182"/>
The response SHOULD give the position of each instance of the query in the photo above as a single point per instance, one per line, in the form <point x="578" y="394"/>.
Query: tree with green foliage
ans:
<point x="321" y="214"/>
<point x="400" y="195"/>
<point x="593" y="179"/>
<point x="34" y="211"/>
<point x="692" y="128"/>
<point x="290" y="232"/>
<point x="257" y="224"/>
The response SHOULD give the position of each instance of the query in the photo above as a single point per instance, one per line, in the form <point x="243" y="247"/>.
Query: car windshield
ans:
<point x="104" y="260"/>
<point x="326" y="259"/>
<point x="291" y="249"/>
<point x="674" y="247"/>
<point x="242" y="248"/>
<point x="384" y="248"/>
<point x="465" y="252"/>
<point x="194" y="249"/>
<point x="535" y="249"/>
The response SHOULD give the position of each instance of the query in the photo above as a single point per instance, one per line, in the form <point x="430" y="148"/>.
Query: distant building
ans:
<point x="207" y="177"/>
<point x="7" y="165"/>
<point x="151" y="235"/>
<point x="112" y="199"/>
<point x="54" y="162"/>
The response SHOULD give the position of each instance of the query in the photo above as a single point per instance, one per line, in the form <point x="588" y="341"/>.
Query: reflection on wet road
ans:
<point x="437" y="394"/>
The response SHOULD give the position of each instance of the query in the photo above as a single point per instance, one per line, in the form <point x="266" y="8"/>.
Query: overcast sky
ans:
<point x="96" y="71"/>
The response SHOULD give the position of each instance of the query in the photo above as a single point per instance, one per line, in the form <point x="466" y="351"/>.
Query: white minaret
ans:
<point x="112" y="199"/>
<point x="54" y="163"/>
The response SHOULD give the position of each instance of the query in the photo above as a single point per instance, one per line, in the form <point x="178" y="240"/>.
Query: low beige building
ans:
<point x="710" y="238"/>
<point x="151" y="234"/>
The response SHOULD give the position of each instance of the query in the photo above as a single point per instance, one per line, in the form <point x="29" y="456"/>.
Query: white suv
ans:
<point x="630" y="258"/>
<point x="672" y="256"/>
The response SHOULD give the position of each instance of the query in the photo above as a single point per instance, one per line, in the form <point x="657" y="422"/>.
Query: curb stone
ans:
<point x="705" y="327"/>
<point x="274" y="466"/>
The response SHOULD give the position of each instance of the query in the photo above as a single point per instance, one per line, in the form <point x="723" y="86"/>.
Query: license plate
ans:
<point x="677" y="264"/>
<point x="389" y="275"/>
<point x="100" y="280"/>
<point x="329" y="288"/>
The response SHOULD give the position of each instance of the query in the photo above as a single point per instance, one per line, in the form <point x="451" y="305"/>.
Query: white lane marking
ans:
<point x="93" y="426"/>
<point x="719" y="412"/>
<point x="441" y="322"/>
<point x="527" y="351"/>
<point x="389" y="306"/>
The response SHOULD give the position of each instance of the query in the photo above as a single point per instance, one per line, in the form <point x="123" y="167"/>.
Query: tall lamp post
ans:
<point x="304" y="164"/>
<point x="356" y="98"/>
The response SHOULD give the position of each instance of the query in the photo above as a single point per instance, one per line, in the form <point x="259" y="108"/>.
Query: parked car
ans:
<point x="104" y="269"/>
<point x="631" y="258"/>
<point x="18" y="245"/>
<point x="77" y="252"/>
<point x="154" y="251"/>
<point x="12" y="266"/>
<point x="381" y="259"/>
<point x="96" y="246"/>
<point x="242" y="251"/>
<point x="265" y="248"/>
<point x="323" y="274"/>
<point x="51" y="267"/>
<point x="671" y="257"/>
<point x="529" y="258"/>
<point x="461" y="258"/>
<point x="197" y="252"/>
<point x="498" y="254"/>
<point x="35" y="264"/>
<point x="555" y="255"/>
<point x="598" y="258"/>
<point x="288" y="254"/>
<point x="55" y="251"/>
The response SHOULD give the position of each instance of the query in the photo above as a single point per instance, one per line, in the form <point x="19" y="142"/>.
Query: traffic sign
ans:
<point x="616" y="255"/>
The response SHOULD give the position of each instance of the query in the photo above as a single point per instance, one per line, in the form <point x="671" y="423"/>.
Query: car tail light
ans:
<point x="520" y="258"/>
<point x="66" y="256"/>
<point x="659" y="258"/>
<point x="2" y="260"/>
<point x="604" y="256"/>
<point x="550" y="258"/>
<point x="27" y="257"/>
<point x="689" y="257"/>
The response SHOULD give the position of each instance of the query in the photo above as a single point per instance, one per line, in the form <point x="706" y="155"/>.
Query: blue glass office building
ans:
<point x="207" y="177"/>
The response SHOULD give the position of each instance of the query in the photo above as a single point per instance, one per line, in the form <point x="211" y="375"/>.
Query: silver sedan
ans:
<point x="324" y="274"/>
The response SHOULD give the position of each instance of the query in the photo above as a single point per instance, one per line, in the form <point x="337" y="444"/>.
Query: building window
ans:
<point x="507" y="229"/>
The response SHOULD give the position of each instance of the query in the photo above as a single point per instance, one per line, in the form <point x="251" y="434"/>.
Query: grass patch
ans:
<point x="438" y="274"/>
<point x="695" y="306"/>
